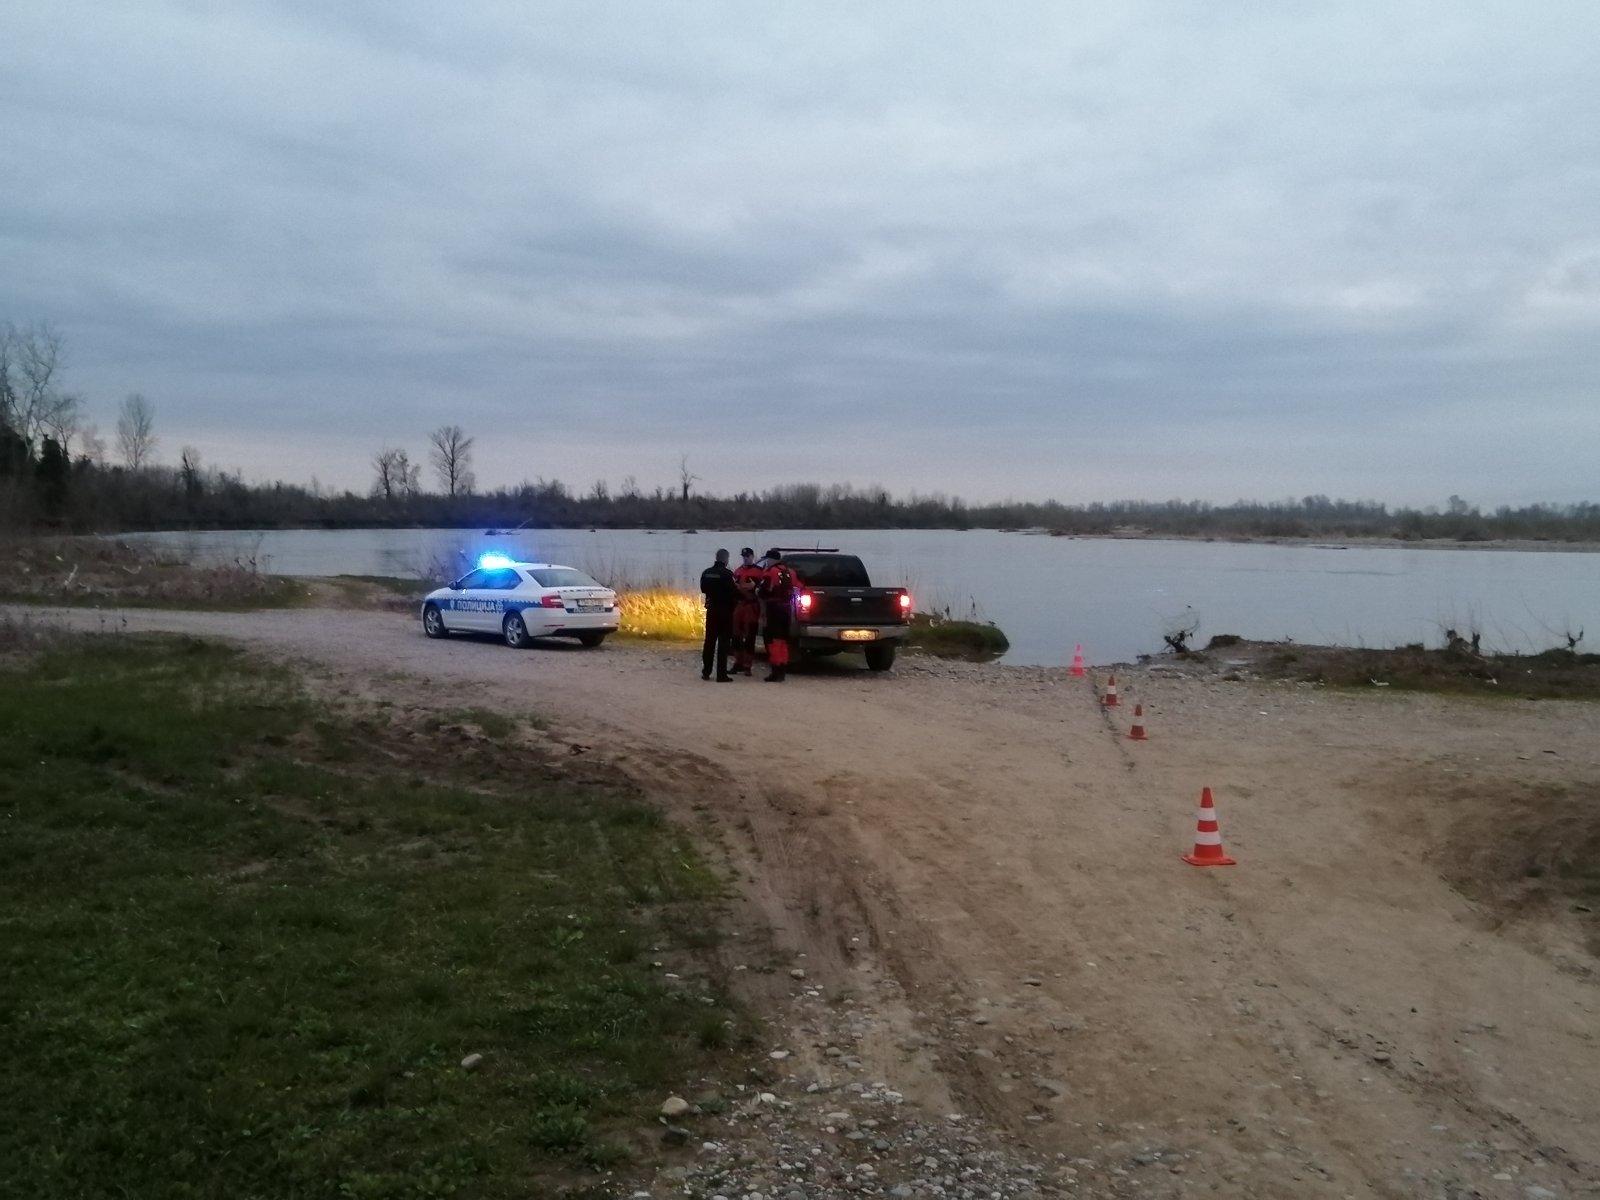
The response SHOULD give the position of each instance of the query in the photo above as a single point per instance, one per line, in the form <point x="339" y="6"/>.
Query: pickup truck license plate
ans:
<point x="589" y="606"/>
<point x="858" y="635"/>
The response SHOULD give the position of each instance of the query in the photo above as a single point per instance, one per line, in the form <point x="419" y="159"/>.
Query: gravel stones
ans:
<point x="674" y="1106"/>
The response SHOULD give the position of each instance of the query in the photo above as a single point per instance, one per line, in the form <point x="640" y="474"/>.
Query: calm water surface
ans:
<point x="1116" y="597"/>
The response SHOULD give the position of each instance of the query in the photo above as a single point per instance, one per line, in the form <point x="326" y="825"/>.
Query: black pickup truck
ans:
<point x="836" y="608"/>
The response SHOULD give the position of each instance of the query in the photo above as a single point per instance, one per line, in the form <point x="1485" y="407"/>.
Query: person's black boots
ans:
<point x="777" y="675"/>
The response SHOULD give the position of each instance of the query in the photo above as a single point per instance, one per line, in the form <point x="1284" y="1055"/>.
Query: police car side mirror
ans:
<point x="455" y="585"/>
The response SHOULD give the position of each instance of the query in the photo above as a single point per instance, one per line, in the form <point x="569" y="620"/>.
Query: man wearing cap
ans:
<point x="747" y="577"/>
<point x="777" y="594"/>
<point x="721" y="595"/>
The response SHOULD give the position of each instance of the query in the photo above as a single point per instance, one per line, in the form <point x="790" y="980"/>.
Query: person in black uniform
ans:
<point x="721" y="596"/>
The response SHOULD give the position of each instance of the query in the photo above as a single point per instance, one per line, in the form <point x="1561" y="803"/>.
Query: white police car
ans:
<point x="521" y="601"/>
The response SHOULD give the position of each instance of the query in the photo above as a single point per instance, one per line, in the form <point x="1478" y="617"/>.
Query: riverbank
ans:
<point x="1117" y="597"/>
<point x="976" y="907"/>
<point x="1459" y="670"/>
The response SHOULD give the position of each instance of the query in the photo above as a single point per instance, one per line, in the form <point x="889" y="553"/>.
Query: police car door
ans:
<point x="485" y="602"/>
<point x="498" y="588"/>
<point x="472" y="597"/>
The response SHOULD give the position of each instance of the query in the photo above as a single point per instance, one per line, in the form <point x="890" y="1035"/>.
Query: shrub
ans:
<point x="976" y="641"/>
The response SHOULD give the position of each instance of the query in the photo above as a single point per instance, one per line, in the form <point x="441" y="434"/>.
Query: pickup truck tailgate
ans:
<point x="854" y="606"/>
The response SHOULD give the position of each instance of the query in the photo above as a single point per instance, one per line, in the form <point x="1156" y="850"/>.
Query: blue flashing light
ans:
<point x="492" y="561"/>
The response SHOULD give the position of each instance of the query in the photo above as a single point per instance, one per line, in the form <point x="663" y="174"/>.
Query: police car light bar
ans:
<point x="489" y="562"/>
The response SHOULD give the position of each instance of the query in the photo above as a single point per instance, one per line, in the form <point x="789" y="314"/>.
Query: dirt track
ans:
<point x="987" y="864"/>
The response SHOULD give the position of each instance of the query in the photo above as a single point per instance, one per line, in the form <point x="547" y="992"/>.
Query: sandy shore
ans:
<point x="979" y="872"/>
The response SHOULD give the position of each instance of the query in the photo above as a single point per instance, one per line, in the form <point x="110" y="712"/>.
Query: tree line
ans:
<point x="57" y="473"/>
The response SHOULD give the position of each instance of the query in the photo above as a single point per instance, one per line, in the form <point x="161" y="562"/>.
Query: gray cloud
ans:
<point x="1162" y="250"/>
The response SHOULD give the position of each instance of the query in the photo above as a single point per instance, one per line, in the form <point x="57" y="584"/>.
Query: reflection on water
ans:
<point x="1116" y="597"/>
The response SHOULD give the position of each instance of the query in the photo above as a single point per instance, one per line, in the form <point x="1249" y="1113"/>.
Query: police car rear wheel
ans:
<point x="433" y="623"/>
<point x="516" y="633"/>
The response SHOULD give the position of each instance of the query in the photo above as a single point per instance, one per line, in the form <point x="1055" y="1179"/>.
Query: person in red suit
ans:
<point x="777" y="596"/>
<point x="747" y="578"/>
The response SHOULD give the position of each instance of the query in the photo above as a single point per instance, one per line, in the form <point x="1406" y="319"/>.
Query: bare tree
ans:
<point x="395" y="474"/>
<point x="189" y="473"/>
<point x="62" y="420"/>
<point x="93" y="445"/>
<point x="136" y="437"/>
<point x="32" y="403"/>
<point x="685" y="479"/>
<point x="452" y="459"/>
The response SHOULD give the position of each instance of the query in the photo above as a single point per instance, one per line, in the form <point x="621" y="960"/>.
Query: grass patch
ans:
<point x="1553" y="675"/>
<point x="400" y="585"/>
<point x="975" y="641"/>
<point x="246" y="939"/>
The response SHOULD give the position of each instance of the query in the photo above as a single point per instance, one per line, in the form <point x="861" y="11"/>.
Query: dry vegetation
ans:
<point x="1552" y="675"/>
<point x="101" y="571"/>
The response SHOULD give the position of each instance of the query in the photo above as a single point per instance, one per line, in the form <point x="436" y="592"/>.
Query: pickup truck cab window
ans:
<point x="828" y="570"/>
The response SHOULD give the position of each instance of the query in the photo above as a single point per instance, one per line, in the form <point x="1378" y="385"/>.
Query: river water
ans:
<point x="1117" y="597"/>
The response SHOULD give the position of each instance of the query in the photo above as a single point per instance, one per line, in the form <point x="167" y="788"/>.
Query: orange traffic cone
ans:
<point x="1077" y="662"/>
<point x="1111" y="700"/>
<point x="1208" y="850"/>
<point x="1137" y="733"/>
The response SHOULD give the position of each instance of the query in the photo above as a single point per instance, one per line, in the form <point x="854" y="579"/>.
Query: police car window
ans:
<point x="502" y="580"/>
<point x="561" y="577"/>
<point x="474" y="579"/>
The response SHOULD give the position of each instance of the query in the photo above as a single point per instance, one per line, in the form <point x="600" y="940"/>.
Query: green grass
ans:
<point x="245" y="942"/>
<point x="975" y="641"/>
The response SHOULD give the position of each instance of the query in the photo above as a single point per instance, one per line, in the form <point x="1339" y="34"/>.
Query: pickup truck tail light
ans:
<point x="805" y="601"/>
<point x="905" y="604"/>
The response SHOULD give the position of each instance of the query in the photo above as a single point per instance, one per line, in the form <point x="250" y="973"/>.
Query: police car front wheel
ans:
<point x="433" y="623"/>
<point x="516" y="633"/>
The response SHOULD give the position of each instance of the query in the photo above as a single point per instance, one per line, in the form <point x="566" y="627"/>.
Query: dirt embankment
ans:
<point x="978" y="874"/>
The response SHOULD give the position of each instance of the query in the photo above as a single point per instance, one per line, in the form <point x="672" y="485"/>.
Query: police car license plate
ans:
<point x="858" y="635"/>
<point x="589" y="606"/>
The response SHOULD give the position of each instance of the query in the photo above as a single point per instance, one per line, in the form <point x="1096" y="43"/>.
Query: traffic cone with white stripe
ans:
<point x="1111" y="700"/>
<point x="1137" y="733"/>
<point x="1077" y="662"/>
<point x="1208" y="851"/>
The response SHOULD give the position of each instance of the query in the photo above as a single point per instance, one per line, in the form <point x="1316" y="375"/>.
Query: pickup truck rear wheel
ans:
<point x="880" y="657"/>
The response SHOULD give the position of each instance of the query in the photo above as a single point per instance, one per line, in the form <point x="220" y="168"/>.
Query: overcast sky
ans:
<point x="1083" y="251"/>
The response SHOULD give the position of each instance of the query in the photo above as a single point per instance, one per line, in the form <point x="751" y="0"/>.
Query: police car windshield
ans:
<point x="561" y="577"/>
